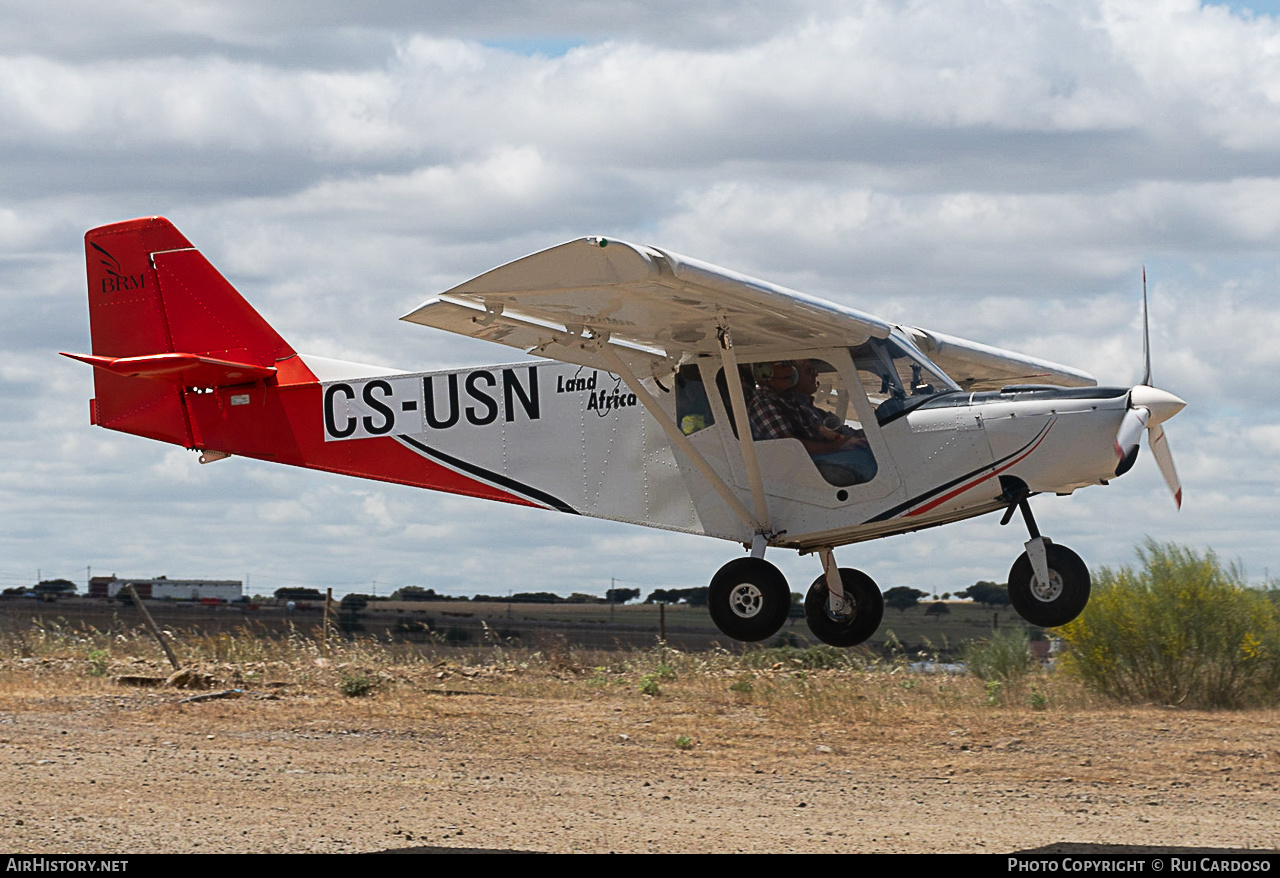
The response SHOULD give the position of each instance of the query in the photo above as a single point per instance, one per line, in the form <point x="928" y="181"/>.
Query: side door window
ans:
<point x="807" y="403"/>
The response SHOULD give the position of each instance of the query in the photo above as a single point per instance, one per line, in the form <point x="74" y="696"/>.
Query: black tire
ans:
<point x="749" y="599"/>
<point x="865" y="612"/>
<point x="1064" y="598"/>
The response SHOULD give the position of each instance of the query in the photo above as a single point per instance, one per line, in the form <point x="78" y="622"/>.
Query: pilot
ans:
<point x="782" y="407"/>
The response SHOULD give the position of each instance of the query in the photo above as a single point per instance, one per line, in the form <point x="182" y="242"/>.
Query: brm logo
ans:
<point x="115" y="279"/>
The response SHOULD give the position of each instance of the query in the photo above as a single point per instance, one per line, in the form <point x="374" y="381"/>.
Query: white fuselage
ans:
<point x="577" y="439"/>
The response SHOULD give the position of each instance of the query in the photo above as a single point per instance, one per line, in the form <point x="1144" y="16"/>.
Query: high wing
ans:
<point x="655" y="307"/>
<point x="975" y="366"/>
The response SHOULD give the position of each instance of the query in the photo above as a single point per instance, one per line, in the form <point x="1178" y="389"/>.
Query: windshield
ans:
<point x="896" y="376"/>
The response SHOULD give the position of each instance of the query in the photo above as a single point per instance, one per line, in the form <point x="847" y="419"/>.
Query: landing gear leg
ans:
<point x="1048" y="585"/>
<point x="836" y="602"/>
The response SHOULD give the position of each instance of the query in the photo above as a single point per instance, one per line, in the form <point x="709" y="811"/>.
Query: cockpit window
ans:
<point x="693" y="411"/>
<point x="896" y="376"/>
<point x="806" y="400"/>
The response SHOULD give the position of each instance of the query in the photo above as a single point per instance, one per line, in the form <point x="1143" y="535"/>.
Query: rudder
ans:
<point x="164" y="321"/>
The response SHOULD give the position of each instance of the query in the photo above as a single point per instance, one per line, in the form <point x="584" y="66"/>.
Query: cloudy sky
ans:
<point x="994" y="169"/>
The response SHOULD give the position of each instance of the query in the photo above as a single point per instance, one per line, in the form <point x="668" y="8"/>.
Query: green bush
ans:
<point x="1180" y="629"/>
<point x="1005" y="656"/>
<point x="356" y="685"/>
<point x="99" y="659"/>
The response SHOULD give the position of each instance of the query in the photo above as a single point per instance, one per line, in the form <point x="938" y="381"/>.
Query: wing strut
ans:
<point x="618" y="367"/>
<point x="745" y="439"/>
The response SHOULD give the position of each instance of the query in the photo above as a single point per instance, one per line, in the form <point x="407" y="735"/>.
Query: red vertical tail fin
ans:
<point x="165" y="323"/>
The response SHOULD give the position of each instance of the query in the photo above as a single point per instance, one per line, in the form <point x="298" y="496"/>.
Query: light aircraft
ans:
<point x="654" y="365"/>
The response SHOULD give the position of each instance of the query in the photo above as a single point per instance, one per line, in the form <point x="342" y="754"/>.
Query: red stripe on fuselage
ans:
<point x="283" y="425"/>
<point x="938" y="501"/>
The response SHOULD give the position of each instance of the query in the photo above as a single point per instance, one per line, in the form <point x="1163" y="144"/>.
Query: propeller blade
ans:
<point x="1146" y="333"/>
<point x="1149" y="407"/>
<point x="1160" y="451"/>
<point x="1135" y="419"/>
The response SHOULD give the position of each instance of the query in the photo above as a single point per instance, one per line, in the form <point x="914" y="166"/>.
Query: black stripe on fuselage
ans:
<point x="500" y="480"/>
<point x="933" y="492"/>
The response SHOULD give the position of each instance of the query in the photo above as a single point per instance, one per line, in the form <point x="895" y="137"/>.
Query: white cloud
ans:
<point x="997" y="170"/>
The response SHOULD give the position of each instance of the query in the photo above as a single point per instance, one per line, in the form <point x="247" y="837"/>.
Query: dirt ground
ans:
<point x="114" y="770"/>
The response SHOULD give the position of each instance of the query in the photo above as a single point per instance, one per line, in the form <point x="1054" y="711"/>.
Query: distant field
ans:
<point x="465" y="623"/>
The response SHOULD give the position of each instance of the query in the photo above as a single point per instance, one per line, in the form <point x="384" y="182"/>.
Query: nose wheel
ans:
<point x="1057" y="600"/>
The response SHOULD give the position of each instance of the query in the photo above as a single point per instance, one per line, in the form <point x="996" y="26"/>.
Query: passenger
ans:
<point x="782" y="407"/>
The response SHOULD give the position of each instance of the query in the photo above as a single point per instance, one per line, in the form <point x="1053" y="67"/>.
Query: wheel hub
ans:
<point x="746" y="600"/>
<point x="840" y="608"/>
<point x="1047" y="592"/>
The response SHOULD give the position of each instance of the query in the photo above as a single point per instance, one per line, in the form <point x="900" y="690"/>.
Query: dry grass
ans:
<point x="789" y="689"/>
<point x="560" y="749"/>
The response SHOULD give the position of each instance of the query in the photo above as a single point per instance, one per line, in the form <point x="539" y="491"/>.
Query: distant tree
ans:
<point x="579" y="598"/>
<point x="797" y="606"/>
<point x="354" y="602"/>
<point x="536" y="597"/>
<point x="987" y="593"/>
<point x="903" y="598"/>
<point x="937" y="608"/>
<point x="298" y="594"/>
<point x="418" y="593"/>
<point x="694" y="597"/>
<point x="697" y="597"/>
<point x="621" y="595"/>
<point x="55" y="587"/>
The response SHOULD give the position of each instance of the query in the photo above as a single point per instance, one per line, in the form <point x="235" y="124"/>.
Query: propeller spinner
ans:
<point x="1149" y="408"/>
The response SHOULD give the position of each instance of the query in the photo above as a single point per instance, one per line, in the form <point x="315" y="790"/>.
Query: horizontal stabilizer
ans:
<point x="185" y="370"/>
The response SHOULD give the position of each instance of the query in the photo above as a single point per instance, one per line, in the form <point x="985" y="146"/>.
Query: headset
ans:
<point x="783" y="370"/>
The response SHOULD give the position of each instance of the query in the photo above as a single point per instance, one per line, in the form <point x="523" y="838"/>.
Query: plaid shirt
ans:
<point x="776" y="415"/>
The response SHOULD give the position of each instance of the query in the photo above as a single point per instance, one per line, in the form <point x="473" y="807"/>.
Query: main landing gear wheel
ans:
<point x="856" y="620"/>
<point x="749" y="599"/>
<point x="1059" y="600"/>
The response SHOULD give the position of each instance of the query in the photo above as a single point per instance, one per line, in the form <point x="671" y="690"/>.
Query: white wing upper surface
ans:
<point x="658" y="308"/>
<point x="654" y="305"/>
<point x="975" y="366"/>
